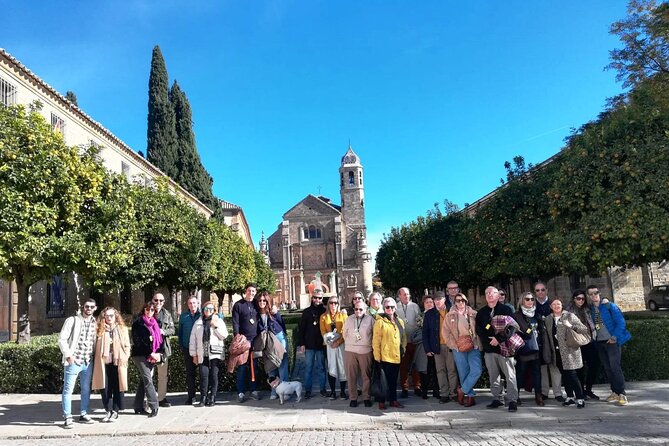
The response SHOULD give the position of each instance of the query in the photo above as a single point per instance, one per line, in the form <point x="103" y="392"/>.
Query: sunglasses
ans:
<point x="529" y="299"/>
<point x="317" y="297"/>
<point x="357" y="297"/>
<point x="390" y="307"/>
<point x="593" y="293"/>
<point x="540" y="290"/>
<point x="579" y="298"/>
<point x="457" y="301"/>
<point x="110" y="315"/>
<point x="262" y="300"/>
<point x="208" y="308"/>
<point x="333" y="303"/>
<point x="150" y="310"/>
<point x="159" y="300"/>
<point x="359" y="309"/>
<point x="89" y="307"/>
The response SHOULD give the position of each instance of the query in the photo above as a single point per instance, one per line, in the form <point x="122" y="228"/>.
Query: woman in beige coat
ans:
<point x="461" y="322"/>
<point x="568" y="359"/>
<point x="110" y="365"/>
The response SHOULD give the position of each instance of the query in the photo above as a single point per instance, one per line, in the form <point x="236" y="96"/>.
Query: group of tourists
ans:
<point x="381" y="345"/>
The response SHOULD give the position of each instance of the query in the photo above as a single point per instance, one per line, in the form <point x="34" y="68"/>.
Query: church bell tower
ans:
<point x="352" y="190"/>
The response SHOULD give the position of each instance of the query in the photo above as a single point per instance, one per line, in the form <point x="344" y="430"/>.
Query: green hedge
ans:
<point x="36" y="367"/>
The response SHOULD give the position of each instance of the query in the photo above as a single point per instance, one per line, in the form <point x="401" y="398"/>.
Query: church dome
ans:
<point x="350" y="158"/>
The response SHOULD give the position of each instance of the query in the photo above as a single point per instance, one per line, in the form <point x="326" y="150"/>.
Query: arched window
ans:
<point x="351" y="178"/>
<point x="312" y="232"/>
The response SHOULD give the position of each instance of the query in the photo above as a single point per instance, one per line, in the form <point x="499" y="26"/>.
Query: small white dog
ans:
<point x="284" y="389"/>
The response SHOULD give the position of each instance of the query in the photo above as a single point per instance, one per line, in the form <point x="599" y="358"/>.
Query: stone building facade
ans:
<point x="318" y="238"/>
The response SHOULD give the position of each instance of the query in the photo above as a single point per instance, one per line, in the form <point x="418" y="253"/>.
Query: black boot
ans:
<point x="203" y="400"/>
<point x="342" y="386"/>
<point x="425" y="385"/>
<point x="333" y="383"/>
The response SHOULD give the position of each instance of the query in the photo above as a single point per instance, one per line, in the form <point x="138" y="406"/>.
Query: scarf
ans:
<point x="529" y="312"/>
<point x="206" y="333"/>
<point x="107" y="340"/>
<point x="154" y="330"/>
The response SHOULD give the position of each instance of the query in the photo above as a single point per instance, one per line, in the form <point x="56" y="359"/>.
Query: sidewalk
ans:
<point x="38" y="416"/>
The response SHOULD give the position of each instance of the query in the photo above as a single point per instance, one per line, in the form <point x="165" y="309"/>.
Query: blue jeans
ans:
<point x="283" y="368"/>
<point x="243" y="371"/>
<point x="85" y="374"/>
<point x="314" y="358"/>
<point x="469" y="369"/>
<point x="610" y="356"/>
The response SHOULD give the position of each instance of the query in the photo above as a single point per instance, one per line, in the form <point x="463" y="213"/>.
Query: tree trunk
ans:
<point x="173" y="298"/>
<point x="23" y="319"/>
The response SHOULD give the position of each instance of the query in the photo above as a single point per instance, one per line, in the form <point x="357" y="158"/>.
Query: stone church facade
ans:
<point x="320" y="239"/>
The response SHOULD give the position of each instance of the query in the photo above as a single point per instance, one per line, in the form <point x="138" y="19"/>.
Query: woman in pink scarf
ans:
<point x="147" y="351"/>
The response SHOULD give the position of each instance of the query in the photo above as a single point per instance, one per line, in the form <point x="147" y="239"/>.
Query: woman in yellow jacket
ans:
<point x="389" y="342"/>
<point x="332" y="329"/>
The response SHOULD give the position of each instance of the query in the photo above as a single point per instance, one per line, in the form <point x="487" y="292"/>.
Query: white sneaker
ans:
<point x="622" y="401"/>
<point x="273" y="396"/>
<point x="106" y="418"/>
<point x="69" y="423"/>
<point x="241" y="398"/>
<point x="254" y="395"/>
<point x="113" y="417"/>
<point x="613" y="398"/>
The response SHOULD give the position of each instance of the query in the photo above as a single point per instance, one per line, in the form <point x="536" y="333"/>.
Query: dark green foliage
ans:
<point x="70" y="96"/>
<point x="191" y="174"/>
<point x="644" y="34"/>
<point x="646" y="355"/>
<point x="161" y="148"/>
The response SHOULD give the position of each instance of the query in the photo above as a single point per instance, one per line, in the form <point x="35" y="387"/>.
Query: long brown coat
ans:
<point x="571" y="357"/>
<point x="121" y="351"/>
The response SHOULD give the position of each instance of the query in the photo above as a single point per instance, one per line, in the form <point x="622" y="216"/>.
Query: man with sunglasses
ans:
<point x="610" y="334"/>
<point x="77" y="344"/>
<point x="310" y="342"/>
<point x="496" y="363"/>
<point x="543" y="309"/>
<point x="166" y="324"/>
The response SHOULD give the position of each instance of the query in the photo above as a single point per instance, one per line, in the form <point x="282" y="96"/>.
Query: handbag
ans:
<point x="465" y="344"/>
<point x="379" y="386"/>
<point x="575" y="339"/>
<point x="215" y="349"/>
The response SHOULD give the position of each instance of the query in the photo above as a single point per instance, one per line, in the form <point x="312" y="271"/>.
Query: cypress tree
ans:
<point x="191" y="173"/>
<point x="161" y="148"/>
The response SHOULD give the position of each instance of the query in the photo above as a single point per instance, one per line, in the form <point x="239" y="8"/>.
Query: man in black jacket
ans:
<point x="495" y="362"/>
<point x="310" y="342"/>
<point x="245" y="322"/>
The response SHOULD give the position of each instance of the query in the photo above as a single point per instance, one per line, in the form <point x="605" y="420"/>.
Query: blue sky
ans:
<point x="433" y="95"/>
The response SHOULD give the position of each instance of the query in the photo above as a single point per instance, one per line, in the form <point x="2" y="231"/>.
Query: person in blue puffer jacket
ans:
<point x="610" y="335"/>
